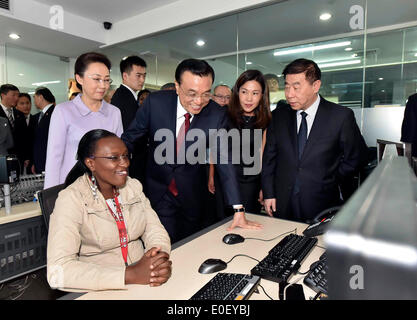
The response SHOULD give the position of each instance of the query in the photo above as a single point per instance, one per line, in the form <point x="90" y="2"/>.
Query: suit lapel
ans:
<point x="320" y="122"/>
<point x="292" y="130"/>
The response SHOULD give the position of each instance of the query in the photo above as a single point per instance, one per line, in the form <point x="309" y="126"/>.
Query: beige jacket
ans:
<point x="83" y="241"/>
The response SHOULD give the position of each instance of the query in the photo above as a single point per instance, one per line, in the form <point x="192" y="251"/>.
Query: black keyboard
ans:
<point x="285" y="258"/>
<point x="228" y="286"/>
<point x="316" y="279"/>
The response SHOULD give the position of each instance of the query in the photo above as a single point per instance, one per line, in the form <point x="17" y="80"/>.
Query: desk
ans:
<point x="188" y="254"/>
<point x="20" y="211"/>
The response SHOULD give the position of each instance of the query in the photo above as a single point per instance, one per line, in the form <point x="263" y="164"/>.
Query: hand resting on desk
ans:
<point x="239" y="220"/>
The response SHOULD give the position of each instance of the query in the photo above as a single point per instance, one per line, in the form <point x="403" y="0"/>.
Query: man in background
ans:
<point x="222" y="94"/>
<point x="45" y="102"/>
<point x="17" y="123"/>
<point x="133" y="70"/>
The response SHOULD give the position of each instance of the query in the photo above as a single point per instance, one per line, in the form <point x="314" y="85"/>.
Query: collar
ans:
<point x="84" y="110"/>
<point x="311" y="110"/>
<point x="135" y="93"/>
<point x="46" y="108"/>
<point x="181" y="110"/>
<point x="5" y="108"/>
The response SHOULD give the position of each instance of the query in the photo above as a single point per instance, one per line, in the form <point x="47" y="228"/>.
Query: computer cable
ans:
<point x="265" y="292"/>
<point x="242" y="255"/>
<point x="290" y="284"/>
<point x="280" y="235"/>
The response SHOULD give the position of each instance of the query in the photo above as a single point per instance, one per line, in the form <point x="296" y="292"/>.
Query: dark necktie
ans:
<point x="302" y="134"/>
<point x="180" y="140"/>
<point x="10" y="116"/>
<point x="40" y="116"/>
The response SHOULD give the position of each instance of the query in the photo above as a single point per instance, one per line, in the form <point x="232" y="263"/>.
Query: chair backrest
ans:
<point x="47" y="200"/>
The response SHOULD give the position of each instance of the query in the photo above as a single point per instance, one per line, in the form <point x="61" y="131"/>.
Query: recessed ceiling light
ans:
<point x="380" y="78"/>
<point x="14" y="36"/>
<point x="248" y="62"/>
<point x="354" y="55"/>
<point x="200" y="43"/>
<point x="325" y="16"/>
<point x="21" y="74"/>
<point x="348" y="49"/>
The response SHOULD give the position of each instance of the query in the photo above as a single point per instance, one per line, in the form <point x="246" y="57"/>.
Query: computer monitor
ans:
<point x="372" y="241"/>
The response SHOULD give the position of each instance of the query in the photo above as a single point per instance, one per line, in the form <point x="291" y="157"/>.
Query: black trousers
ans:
<point x="179" y="220"/>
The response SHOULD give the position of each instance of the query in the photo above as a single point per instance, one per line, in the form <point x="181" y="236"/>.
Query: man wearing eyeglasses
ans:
<point x="222" y="94"/>
<point x="133" y="71"/>
<point x="177" y="190"/>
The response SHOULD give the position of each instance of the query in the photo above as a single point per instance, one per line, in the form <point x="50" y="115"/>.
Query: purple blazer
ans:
<point x="69" y="122"/>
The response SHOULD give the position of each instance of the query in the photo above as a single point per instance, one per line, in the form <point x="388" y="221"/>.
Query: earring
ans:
<point x="94" y="186"/>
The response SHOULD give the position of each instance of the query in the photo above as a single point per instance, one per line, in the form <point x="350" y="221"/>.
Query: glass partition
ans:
<point x="28" y="70"/>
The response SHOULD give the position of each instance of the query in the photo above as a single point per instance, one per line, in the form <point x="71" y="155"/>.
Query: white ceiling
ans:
<point x="44" y="39"/>
<point x="105" y="10"/>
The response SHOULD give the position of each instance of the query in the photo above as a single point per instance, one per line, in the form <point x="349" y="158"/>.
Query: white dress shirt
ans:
<point x="180" y="116"/>
<point x="135" y="93"/>
<point x="311" y="114"/>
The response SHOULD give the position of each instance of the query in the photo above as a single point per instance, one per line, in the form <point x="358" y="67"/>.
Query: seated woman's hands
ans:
<point x="154" y="268"/>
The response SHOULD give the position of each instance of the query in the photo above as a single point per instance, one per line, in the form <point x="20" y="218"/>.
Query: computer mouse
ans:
<point x="233" y="238"/>
<point x="212" y="265"/>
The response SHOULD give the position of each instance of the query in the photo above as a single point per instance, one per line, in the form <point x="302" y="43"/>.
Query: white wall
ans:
<point x="2" y="63"/>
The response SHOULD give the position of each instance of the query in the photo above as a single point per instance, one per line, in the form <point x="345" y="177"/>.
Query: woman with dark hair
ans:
<point x="72" y="119"/>
<point x="249" y="113"/>
<point x="85" y="252"/>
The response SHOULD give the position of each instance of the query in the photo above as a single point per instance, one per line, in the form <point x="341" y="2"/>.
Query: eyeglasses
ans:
<point x="115" y="159"/>
<point x="222" y="97"/>
<point x="98" y="80"/>
<point x="193" y="96"/>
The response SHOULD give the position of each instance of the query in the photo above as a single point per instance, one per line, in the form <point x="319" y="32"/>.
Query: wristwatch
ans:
<point x="241" y="209"/>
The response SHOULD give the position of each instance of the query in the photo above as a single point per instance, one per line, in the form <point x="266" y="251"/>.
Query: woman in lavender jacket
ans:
<point x="71" y="120"/>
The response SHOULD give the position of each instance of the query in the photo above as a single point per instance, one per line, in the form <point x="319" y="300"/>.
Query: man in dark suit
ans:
<point x="24" y="105"/>
<point x="409" y="125"/>
<point x="177" y="189"/>
<point x="45" y="102"/>
<point x="133" y="70"/>
<point x="17" y="122"/>
<point x="312" y="147"/>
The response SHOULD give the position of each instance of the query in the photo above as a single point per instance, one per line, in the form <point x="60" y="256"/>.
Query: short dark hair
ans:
<point x="310" y="68"/>
<point x="262" y="112"/>
<point x="26" y="95"/>
<point x="127" y="64"/>
<point x="46" y="94"/>
<point x="86" y="148"/>
<point x="5" y="88"/>
<point x="141" y="92"/>
<point x="84" y="60"/>
<point x="197" y="67"/>
<point x="168" y="86"/>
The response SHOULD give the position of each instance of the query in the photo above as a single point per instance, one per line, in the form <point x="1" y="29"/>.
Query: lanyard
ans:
<point x="120" y="226"/>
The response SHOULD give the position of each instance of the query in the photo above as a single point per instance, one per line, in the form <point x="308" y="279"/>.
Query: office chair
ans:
<point x="47" y="200"/>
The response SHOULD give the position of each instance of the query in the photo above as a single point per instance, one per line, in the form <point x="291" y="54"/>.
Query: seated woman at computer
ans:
<point x="99" y="220"/>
